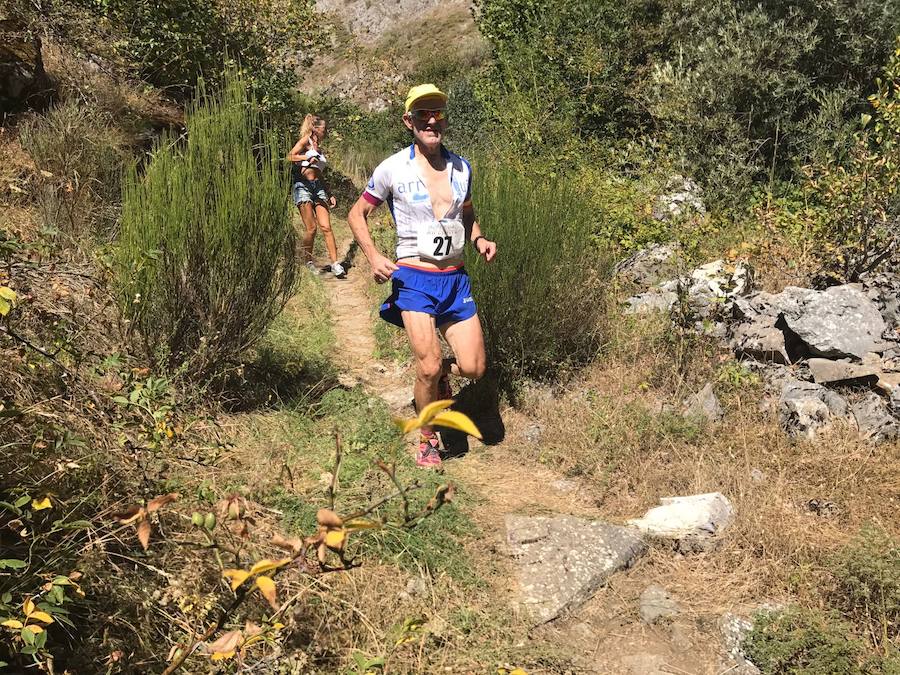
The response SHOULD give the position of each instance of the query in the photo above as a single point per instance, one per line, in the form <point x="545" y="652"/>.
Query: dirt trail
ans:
<point x="604" y="636"/>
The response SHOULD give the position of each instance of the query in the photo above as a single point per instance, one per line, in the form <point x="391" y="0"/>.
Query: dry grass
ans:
<point x="613" y="428"/>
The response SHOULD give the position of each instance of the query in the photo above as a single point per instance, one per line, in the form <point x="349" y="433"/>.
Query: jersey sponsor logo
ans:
<point x="410" y="186"/>
<point x="420" y="197"/>
<point x="469" y="299"/>
<point x="372" y="183"/>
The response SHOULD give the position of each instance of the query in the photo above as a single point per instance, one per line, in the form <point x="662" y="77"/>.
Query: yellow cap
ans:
<point x="421" y="91"/>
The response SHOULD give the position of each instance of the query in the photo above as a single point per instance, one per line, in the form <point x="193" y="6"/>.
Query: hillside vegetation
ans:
<point x="194" y="477"/>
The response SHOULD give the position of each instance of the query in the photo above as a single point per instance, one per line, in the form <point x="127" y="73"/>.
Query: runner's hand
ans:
<point x="382" y="268"/>
<point x="332" y="201"/>
<point x="487" y="248"/>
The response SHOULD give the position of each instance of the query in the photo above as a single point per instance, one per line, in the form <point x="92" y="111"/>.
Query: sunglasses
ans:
<point x="425" y="115"/>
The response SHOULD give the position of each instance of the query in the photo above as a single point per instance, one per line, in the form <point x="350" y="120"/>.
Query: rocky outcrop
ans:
<point x="23" y="82"/>
<point x="681" y="197"/>
<point x="803" y="342"/>
<point x="563" y="560"/>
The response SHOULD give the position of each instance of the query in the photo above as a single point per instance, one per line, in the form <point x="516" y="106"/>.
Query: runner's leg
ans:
<point x="426" y="350"/>
<point x="323" y="217"/>
<point x="308" y="216"/>
<point x="466" y="339"/>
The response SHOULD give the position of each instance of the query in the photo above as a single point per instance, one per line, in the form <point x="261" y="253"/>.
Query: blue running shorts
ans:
<point x="445" y="295"/>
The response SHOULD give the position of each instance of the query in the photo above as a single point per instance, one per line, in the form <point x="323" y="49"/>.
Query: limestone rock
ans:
<point x="874" y="419"/>
<point x="650" y="265"/>
<point x="838" y="322"/>
<point x="563" y="560"/>
<point x="806" y="407"/>
<point x="693" y="522"/>
<point x="656" y="604"/>
<point x="23" y="81"/>
<point x="533" y="433"/>
<point x="682" y="196"/>
<point x="651" y="301"/>
<point x="704" y="404"/>
<point x="884" y="290"/>
<point x="760" y="339"/>
<point x="826" y="371"/>
<point x="734" y="630"/>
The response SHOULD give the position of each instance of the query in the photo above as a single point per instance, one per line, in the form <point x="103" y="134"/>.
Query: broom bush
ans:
<point x="207" y="248"/>
<point x="542" y="302"/>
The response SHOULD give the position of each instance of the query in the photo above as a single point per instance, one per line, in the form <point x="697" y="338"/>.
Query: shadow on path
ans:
<point x="481" y="402"/>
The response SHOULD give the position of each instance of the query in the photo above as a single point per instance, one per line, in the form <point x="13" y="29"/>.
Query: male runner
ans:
<point x="428" y="190"/>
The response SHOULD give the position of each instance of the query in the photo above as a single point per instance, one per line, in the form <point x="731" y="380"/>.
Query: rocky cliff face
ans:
<point x="376" y="44"/>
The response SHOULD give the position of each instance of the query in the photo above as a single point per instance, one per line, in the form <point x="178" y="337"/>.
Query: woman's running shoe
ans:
<point x="428" y="454"/>
<point x="338" y="270"/>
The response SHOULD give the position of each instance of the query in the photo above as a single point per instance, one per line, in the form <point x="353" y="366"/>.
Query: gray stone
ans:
<point x="564" y="486"/>
<point x="757" y="476"/>
<point x="760" y="339"/>
<point x="657" y="604"/>
<point x="704" y="404"/>
<point x="734" y="630"/>
<point x="416" y="586"/>
<point x="651" y="301"/>
<point x="650" y="265"/>
<point x="826" y="371"/>
<point x="694" y="523"/>
<point x="884" y="290"/>
<point x="874" y="419"/>
<point x="563" y="560"/>
<point x="682" y="197"/>
<point x="838" y="322"/>
<point x="644" y="663"/>
<point x="533" y="433"/>
<point x="806" y="407"/>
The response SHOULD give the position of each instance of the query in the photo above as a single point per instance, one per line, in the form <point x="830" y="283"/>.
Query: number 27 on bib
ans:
<point x="441" y="240"/>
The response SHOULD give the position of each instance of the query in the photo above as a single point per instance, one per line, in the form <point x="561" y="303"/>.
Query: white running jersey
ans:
<point x="396" y="180"/>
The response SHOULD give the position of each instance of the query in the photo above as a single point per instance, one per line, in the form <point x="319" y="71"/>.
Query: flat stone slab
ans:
<point x="826" y="371"/>
<point x="693" y="522"/>
<point x="563" y="560"/>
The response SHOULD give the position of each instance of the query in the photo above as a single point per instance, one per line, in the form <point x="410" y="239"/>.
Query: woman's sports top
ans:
<point x="397" y="181"/>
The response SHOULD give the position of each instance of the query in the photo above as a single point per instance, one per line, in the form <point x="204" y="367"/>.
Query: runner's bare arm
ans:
<point x="382" y="268"/>
<point x="296" y="153"/>
<point x="484" y="246"/>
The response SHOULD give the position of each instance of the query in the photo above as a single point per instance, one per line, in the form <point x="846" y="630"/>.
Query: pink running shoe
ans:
<point x="428" y="455"/>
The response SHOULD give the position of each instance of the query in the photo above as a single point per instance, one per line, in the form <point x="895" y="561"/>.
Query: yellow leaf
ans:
<point x="12" y="623"/>
<point x="267" y="587"/>
<point x="40" y="616"/>
<point x="425" y="417"/>
<point x="237" y="577"/>
<point x="28" y="607"/>
<point x="456" y="420"/>
<point x="268" y="565"/>
<point x="34" y="628"/>
<point x="277" y="625"/>
<point x="41" y="504"/>
<point x="335" y="538"/>
<point x="362" y="524"/>
<point x="221" y="656"/>
<point x="517" y="671"/>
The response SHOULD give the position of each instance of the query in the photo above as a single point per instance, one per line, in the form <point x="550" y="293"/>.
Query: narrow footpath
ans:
<point x="604" y="635"/>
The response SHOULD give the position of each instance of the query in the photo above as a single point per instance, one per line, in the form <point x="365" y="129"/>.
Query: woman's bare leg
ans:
<point x="308" y="216"/>
<point x="323" y="217"/>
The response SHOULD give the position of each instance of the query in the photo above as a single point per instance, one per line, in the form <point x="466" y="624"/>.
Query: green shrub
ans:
<point x="173" y="44"/>
<point x="542" y="302"/>
<point x="804" y="642"/>
<point x="80" y="154"/>
<point x="867" y="589"/>
<point x="207" y="247"/>
<point x="747" y="90"/>
<point x="855" y="219"/>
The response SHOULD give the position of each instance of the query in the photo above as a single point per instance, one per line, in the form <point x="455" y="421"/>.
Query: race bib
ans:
<point x="441" y="240"/>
